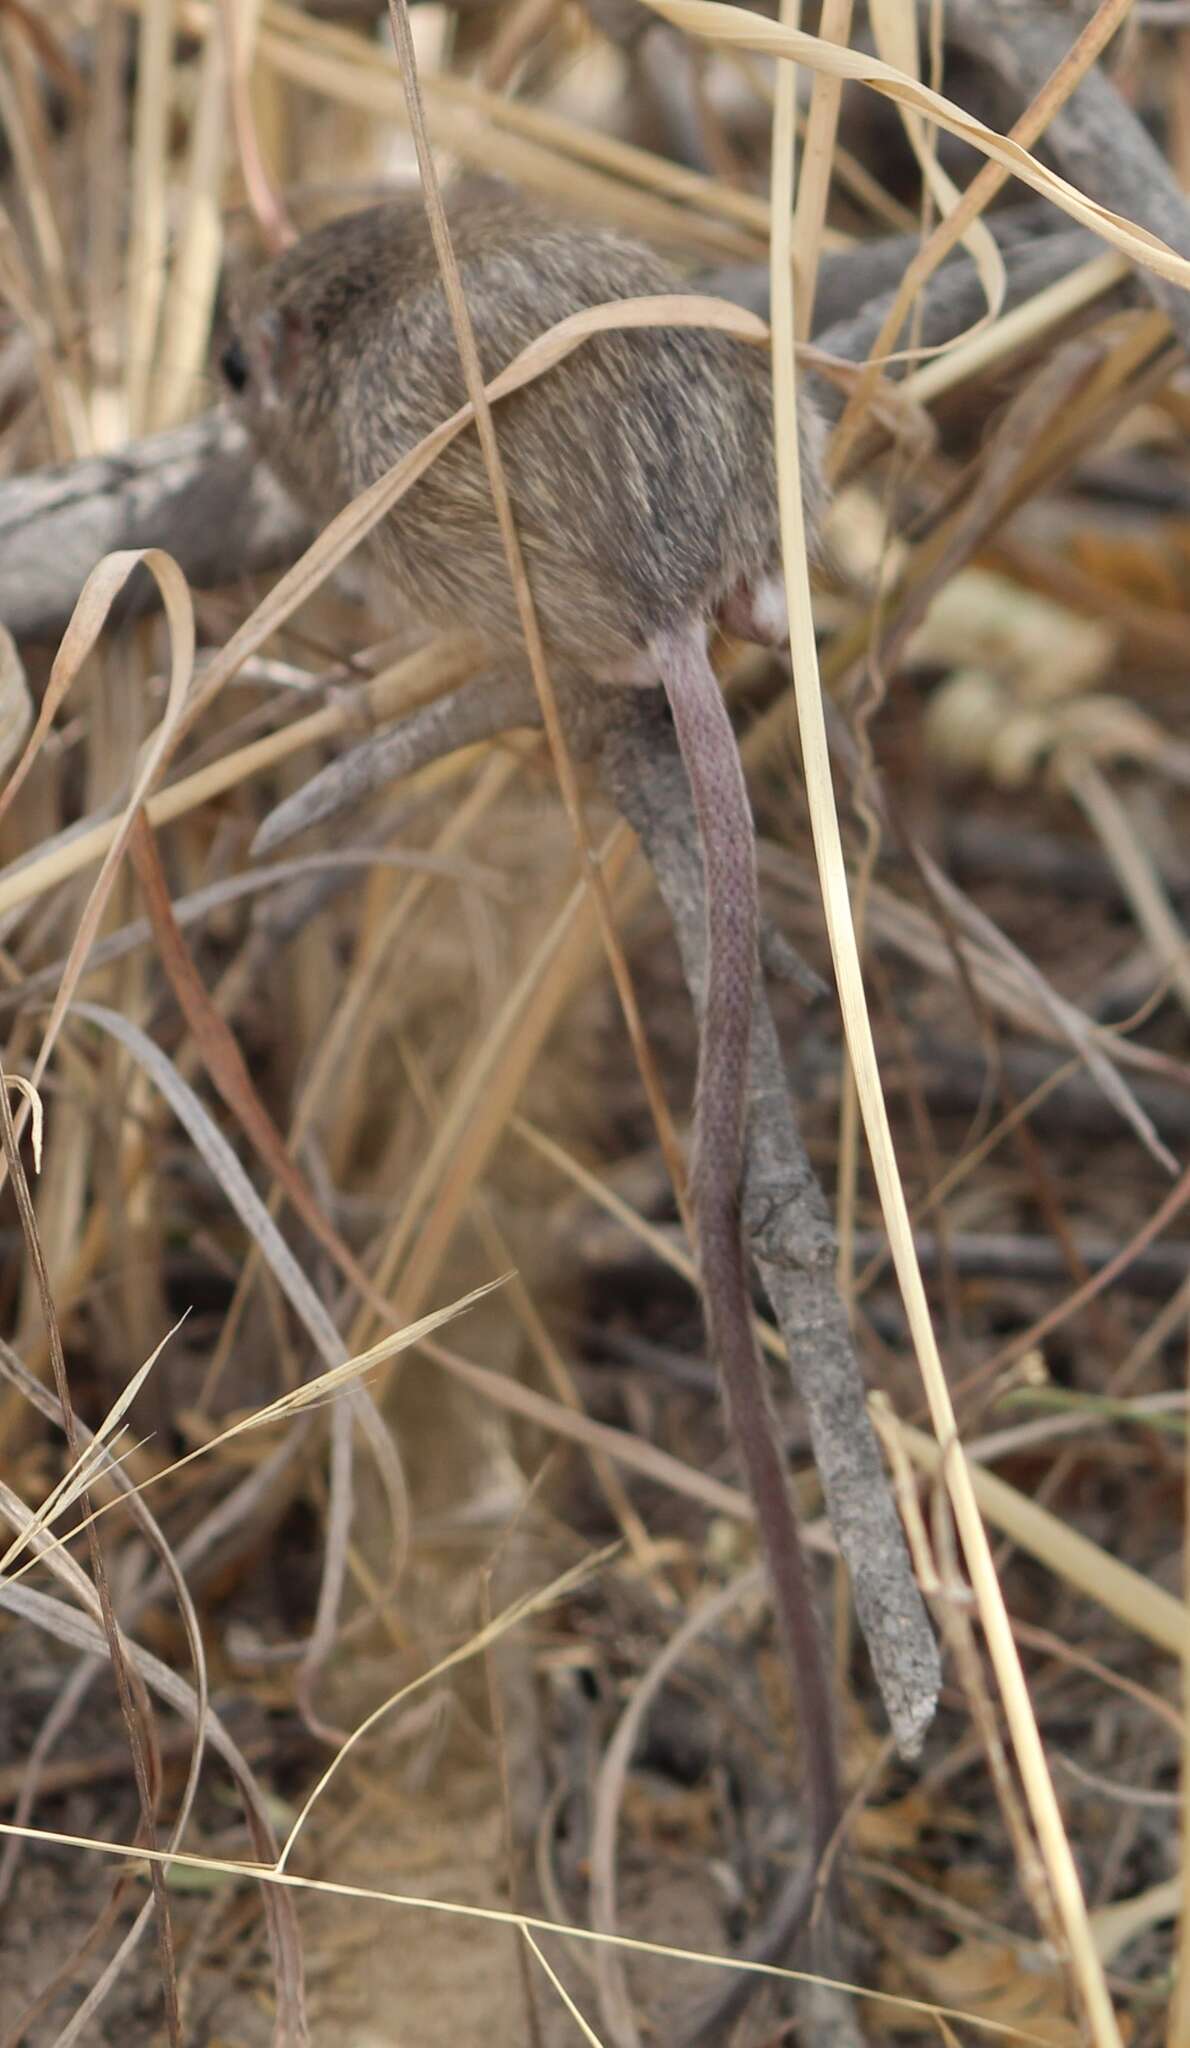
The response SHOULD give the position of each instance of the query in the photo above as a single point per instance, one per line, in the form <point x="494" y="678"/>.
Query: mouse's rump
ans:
<point x="640" y="469"/>
<point x="640" y="475"/>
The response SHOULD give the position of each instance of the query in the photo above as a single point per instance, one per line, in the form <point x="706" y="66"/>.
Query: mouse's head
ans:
<point x="261" y="358"/>
<point x="310" y="336"/>
<point x="269" y="369"/>
<point x="291" y="348"/>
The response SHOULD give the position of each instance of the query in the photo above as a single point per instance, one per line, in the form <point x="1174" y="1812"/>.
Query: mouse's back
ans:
<point x="640" y="469"/>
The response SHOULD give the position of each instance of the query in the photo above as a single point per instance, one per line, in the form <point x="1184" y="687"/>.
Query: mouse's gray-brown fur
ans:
<point x="641" y="470"/>
<point x="642" y="481"/>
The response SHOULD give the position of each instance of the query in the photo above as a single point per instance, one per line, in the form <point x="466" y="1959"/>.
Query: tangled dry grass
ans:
<point x="382" y="1651"/>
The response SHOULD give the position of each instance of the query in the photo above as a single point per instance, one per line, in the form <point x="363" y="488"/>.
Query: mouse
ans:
<point x="642" y="479"/>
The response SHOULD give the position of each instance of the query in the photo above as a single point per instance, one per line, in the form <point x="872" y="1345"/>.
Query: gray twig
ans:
<point x="788" y="1228"/>
<point x="1096" y="138"/>
<point x="491" y="703"/>
<point x="856" y="287"/>
<point x="955" y="300"/>
<point x="196" y="491"/>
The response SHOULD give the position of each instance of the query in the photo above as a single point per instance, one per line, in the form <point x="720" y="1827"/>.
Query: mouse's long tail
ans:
<point x="720" y="795"/>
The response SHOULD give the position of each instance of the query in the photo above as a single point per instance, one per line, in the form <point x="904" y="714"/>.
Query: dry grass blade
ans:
<point x="72" y="852"/>
<point x="213" y="1148"/>
<point x="49" y="299"/>
<point x="327" y="53"/>
<point x="1073" y="1025"/>
<point x="194" y="275"/>
<point x="313" y="1394"/>
<point x="286" y="1950"/>
<point x="202" y="904"/>
<point x="477" y="1112"/>
<point x="99" y="593"/>
<point x="85" y="1635"/>
<point x="717" y="23"/>
<point x="663" y="1245"/>
<point x="587" y="2031"/>
<point x="955" y="1617"/>
<point x="614" y="2000"/>
<point x="64" y="1567"/>
<point x="36" y="1107"/>
<point x="217" y="1046"/>
<point x="818" y="150"/>
<point x="1149" y="901"/>
<point x="1133" y="1599"/>
<point x="92" y="609"/>
<point x="957" y="362"/>
<point x="134" y="1703"/>
<point x="239" y="26"/>
<point x="345" y="1029"/>
<point x="617" y="1444"/>
<point x="106" y="170"/>
<point x="285" y="1107"/>
<point x="329" y="1888"/>
<point x="1055" y="1847"/>
<point x="74" y="1483"/>
<point x="1179" y="2005"/>
<point x="895" y="33"/>
<point x="147" y="226"/>
<point x="596" y="174"/>
<point x="1172" y="1205"/>
<point x="520" y="1610"/>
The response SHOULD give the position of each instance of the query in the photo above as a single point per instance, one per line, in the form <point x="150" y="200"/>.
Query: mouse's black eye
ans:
<point x="234" y="365"/>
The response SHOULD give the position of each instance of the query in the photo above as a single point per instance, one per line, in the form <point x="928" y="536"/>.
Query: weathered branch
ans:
<point x="195" y="491"/>
<point x="856" y="286"/>
<point x="954" y="301"/>
<point x="491" y="703"/>
<point x="788" y="1229"/>
<point x="1096" y="138"/>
